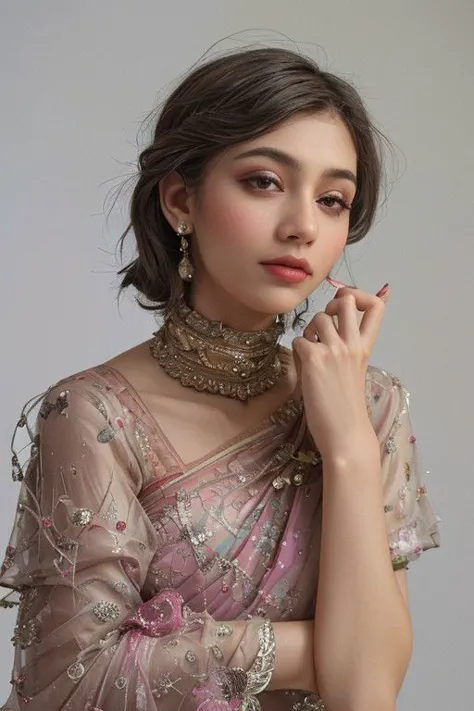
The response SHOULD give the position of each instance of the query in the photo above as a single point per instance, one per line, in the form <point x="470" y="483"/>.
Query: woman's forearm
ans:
<point x="294" y="655"/>
<point x="294" y="658"/>
<point x="362" y="633"/>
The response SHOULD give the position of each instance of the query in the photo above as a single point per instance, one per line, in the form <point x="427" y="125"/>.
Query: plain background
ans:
<point x="77" y="81"/>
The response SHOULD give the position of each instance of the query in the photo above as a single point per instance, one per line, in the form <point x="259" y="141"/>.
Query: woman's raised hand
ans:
<point x="331" y="359"/>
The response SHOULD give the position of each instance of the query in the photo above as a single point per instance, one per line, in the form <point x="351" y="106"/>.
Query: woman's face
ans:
<point x="260" y="207"/>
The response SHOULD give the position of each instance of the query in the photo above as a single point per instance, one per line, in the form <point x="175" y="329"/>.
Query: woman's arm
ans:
<point x="377" y="518"/>
<point x="375" y="514"/>
<point x="362" y="633"/>
<point x="294" y="658"/>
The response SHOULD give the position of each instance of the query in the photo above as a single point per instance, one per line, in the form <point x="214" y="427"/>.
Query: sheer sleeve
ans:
<point x="78" y="555"/>
<point x="412" y="524"/>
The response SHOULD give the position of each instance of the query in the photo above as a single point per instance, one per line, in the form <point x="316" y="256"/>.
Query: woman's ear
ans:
<point x="174" y="199"/>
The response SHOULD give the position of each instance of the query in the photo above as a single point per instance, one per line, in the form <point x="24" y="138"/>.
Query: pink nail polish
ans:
<point x="335" y="283"/>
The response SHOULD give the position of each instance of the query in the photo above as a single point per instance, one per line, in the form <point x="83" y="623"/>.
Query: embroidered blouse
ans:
<point x="143" y="583"/>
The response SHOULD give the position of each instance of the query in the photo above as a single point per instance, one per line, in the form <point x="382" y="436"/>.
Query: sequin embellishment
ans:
<point x="81" y="517"/>
<point x="302" y="460"/>
<point x="217" y="652"/>
<point x="224" y="630"/>
<point x="76" y="671"/>
<point x="106" y="611"/>
<point x="26" y="635"/>
<point x="391" y="446"/>
<point x="106" y="435"/>
<point x="310" y="703"/>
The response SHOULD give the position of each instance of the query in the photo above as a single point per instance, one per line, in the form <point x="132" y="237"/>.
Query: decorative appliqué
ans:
<point x="60" y="405"/>
<point x="76" y="671"/>
<point x="27" y="634"/>
<point x="405" y="543"/>
<point x="310" y="703"/>
<point x="224" y="630"/>
<point x="106" y="435"/>
<point x="106" y="611"/>
<point x="81" y="517"/>
<point x="391" y="446"/>
<point x="217" y="652"/>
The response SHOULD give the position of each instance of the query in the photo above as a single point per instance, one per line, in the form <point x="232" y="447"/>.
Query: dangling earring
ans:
<point x="185" y="268"/>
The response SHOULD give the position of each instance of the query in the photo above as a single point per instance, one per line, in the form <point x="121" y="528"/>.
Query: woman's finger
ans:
<point x="371" y="322"/>
<point x="347" y="318"/>
<point x="363" y="300"/>
<point x="321" y="328"/>
<point x="372" y="306"/>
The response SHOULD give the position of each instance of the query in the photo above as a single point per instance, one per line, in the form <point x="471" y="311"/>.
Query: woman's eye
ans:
<point x="335" y="203"/>
<point x="263" y="180"/>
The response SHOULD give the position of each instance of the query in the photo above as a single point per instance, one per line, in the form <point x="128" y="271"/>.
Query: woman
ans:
<point x="170" y="547"/>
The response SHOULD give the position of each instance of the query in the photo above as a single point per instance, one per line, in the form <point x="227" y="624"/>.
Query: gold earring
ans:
<point x="185" y="268"/>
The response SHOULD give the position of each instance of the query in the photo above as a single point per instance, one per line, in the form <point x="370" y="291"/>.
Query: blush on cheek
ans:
<point x="332" y="249"/>
<point x="232" y="224"/>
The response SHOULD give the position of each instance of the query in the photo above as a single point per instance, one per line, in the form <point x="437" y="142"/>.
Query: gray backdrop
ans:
<point x="78" y="78"/>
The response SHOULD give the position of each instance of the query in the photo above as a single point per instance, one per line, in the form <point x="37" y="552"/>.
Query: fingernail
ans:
<point x="335" y="282"/>
<point x="383" y="290"/>
<point x="339" y="284"/>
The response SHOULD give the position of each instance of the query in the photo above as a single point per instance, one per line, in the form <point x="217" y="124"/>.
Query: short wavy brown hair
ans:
<point x="227" y="100"/>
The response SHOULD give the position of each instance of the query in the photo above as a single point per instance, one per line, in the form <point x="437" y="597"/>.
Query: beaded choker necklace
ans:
<point x="206" y="355"/>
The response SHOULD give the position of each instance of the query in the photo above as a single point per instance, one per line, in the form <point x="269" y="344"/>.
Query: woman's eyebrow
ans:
<point x="285" y="159"/>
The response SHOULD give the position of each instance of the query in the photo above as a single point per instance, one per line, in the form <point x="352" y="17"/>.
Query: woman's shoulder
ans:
<point x="108" y="377"/>
<point x="101" y="385"/>
<point x="92" y="383"/>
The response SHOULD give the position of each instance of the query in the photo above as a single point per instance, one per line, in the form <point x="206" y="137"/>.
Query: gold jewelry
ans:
<point x="206" y="355"/>
<point x="185" y="268"/>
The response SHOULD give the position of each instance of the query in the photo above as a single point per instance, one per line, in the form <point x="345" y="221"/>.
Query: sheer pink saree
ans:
<point x="144" y="584"/>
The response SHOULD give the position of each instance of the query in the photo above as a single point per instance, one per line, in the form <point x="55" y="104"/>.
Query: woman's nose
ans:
<point x="302" y="227"/>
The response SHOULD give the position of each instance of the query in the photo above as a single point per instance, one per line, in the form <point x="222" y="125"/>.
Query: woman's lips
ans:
<point x="289" y="274"/>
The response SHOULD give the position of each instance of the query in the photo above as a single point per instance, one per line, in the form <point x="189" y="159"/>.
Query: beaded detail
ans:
<point x="76" y="671"/>
<point x="224" y="630"/>
<point x="81" y="517"/>
<point x="310" y="703"/>
<point x="106" y="611"/>
<point x="260" y="673"/>
<point x="24" y="635"/>
<point x="391" y="446"/>
<point x="217" y="652"/>
<point x="294" y="465"/>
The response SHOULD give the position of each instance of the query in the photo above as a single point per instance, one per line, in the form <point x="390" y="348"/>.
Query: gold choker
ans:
<point x="206" y="355"/>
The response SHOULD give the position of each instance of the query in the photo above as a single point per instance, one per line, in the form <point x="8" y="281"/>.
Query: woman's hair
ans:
<point x="223" y="102"/>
